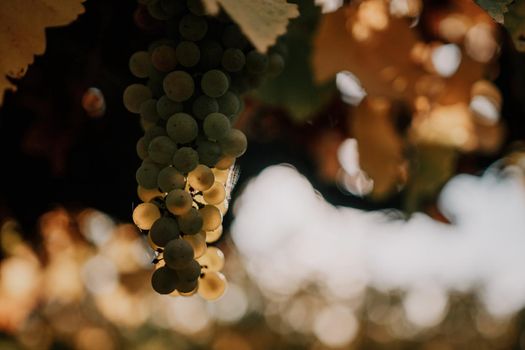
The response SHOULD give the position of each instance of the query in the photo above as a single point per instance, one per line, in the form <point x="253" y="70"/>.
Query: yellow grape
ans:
<point x="212" y="285"/>
<point x="198" y="243"/>
<point x="214" y="235"/>
<point x="145" y="214"/>
<point x="212" y="260"/>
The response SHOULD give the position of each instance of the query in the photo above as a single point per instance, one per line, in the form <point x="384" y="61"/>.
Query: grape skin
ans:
<point x="182" y="128"/>
<point x="139" y="64"/>
<point x="147" y="174"/>
<point x="170" y="179"/>
<point x="145" y="214"/>
<point x="164" y="230"/>
<point x="178" y="86"/>
<point x="201" y="178"/>
<point x="178" y="202"/>
<point x="234" y="144"/>
<point x="134" y="95"/>
<point x="164" y="280"/>
<point x="191" y="222"/>
<point x="216" y="126"/>
<point x="214" y="83"/>
<point x="188" y="53"/>
<point x="161" y="149"/>
<point x="204" y="105"/>
<point x="185" y="159"/>
<point x="178" y="253"/>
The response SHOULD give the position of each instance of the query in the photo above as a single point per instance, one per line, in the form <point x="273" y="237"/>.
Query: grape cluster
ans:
<point x="189" y="100"/>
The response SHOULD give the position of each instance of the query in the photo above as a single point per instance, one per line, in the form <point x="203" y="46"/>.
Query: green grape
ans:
<point x="216" y="126"/>
<point x="214" y="83"/>
<point x="148" y="110"/>
<point x="209" y="152"/>
<point x="256" y="62"/>
<point x="216" y="194"/>
<point x="201" y="178"/>
<point x="188" y="53"/>
<point x="147" y="195"/>
<point x="134" y="95"/>
<point x="190" y="272"/>
<point x="170" y="179"/>
<point x="196" y="7"/>
<point x="147" y="174"/>
<point x="178" y="202"/>
<point x="163" y="58"/>
<point x="156" y="11"/>
<point x="166" y="107"/>
<point x="172" y="8"/>
<point x="178" y="253"/>
<point x="164" y="280"/>
<point x="159" y="42"/>
<point x="178" y="86"/>
<point x="191" y="222"/>
<point x="139" y="64"/>
<point x="185" y="159"/>
<point x="193" y="27"/>
<point x="182" y="128"/>
<point x="186" y="288"/>
<point x="204" y="105"/>
<point x="212" y="285"/>
<point x="275" y="64"/>
<point x="145" y="214"/>
<point x="233" y="60"/>
<point x="211" y="54"/>
<point x="233" y="37"/>
<point x="142" y="150"/>
<point x="164" y="230"/>
<point x="198" y="243"/>
<point x="153" y="132"/>
<point x="211" y="216"/>
<point x="225" y="162"/>
<point x="212" y="260"/>
<point x="229" y="103"/>
<point x="161" y="149"/>
<point x="214" y="235"/>
<point x="234" y="144"/>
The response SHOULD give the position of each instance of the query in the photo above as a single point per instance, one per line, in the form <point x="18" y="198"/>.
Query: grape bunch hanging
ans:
<point x="189" y="99"/>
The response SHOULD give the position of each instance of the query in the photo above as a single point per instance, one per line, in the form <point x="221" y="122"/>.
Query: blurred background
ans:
<point x="379" y="205"/>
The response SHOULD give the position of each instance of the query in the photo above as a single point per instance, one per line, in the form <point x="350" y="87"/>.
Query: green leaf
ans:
<point x="495" y="8"/>
<point x="515" y="23"/>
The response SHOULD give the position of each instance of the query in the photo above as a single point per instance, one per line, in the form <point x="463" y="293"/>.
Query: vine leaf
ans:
<point x="261" y="21"/>
<point x="511" y="14"/>
<point x="495" y="8"/>
<point x="22" y="33"/>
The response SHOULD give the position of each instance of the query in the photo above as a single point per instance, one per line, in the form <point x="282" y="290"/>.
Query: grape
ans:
<point x="178" y="86"/>
<point x="191" y="222"/>
<point x="161" y="149"/>
<point x="146" y="195"/>
<point x="163" y="58"/>
<point x="188" y="53"/>
<point x="178" y="202"/>
<point x="134" y="95"/>
<point x="185" y="159"/>
<point x="157" y="43"/>
<point x="212" y="260"/>
<point x="139" y="64"/>
<point x="189" y="273"/>
<point x="211" y="216"/>
<point x="182" y="128"/>
<point x="216" y="126"/>
<point x="229" y="103"/>
<point x="225" y="162"/>
<point x="204" y="105"/>
<point x="232" y="37"/>
<point x="187" y="288"/>
<point x="216" y="194"/>
<point x="156" y="11"/>
<point x="145" y="214"/>
<point x="234" y="144"/>
<point x="172" y="8"/>
<point x="195" y="7"/>
<point x="256" y="62"/>
<point x="201" y="178"/>
<point x="233" y="60"/>
<point x="148" y="110"/>
<point x="212" y="285"/>
<point x="142" y="150"/>
<point x="214" y="83"/>
<point x="221" y="175"/>
<point x="163" y="230"/>
<point x="211" y="54"/>
<point x="166" y="107"/>
<point x="214" y="235"/>
<point x="164" y="280"/>
<point x="153" y="132"/>
<point x="198" y="243"/>
<point x="192" y="27"/>
<point x="178" y="253"/>
<point x="209" y="152"/>
<point x="275" y="64"/>
<point x="170" y="179"/>
<point x="147" y="174"/>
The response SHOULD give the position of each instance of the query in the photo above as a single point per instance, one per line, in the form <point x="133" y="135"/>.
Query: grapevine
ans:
<point x="188" y="101"/>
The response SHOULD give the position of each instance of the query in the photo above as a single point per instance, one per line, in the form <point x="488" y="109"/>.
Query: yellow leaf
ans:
<point x="22" y="33"/>
<point x="262" y="21"/>
<point x="380" y="146"/>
